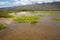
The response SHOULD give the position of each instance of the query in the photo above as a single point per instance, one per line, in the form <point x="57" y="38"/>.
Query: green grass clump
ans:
<point x="2" y="26"/>
<point x="57" y="19"/>
<point x="27" y="19"/>
<point x="50" y="12"/>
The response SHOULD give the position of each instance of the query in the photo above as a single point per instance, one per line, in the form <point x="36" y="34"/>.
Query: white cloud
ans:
<point x="24" y="2"/>
<point x="57" y="0"/>
<point x="4" y="2"/>
<point x="17" y="2"/>
<point x="48" y="0"/>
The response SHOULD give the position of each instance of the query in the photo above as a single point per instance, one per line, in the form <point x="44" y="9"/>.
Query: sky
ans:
<point x="9" y="3"/>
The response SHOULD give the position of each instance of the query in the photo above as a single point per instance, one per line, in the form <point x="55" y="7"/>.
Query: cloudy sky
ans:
<point x="8" y="3"/>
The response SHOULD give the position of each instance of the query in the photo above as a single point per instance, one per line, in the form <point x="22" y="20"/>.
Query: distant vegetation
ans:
<point x="4" y="13"/>
<point x="15" y="11"/>
<point x="2" y="26"/>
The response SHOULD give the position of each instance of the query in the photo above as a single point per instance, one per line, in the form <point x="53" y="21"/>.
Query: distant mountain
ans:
<point x="43" y="6"/>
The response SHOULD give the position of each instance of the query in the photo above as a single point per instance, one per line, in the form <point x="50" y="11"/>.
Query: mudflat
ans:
<point x="45" y="29"/>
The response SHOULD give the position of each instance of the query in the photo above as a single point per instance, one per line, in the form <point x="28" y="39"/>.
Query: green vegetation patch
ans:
<point x="45" y="12"/>
<point x="27" y="19"/>
<point x="49" y="12"/>
<point x="4" y="13"/>
<point x="9" y="16"/>
<point x="2" y="26"/>
<point x="57" y="19"/>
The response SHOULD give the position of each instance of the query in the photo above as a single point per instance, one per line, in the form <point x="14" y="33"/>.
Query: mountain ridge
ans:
<point x="42" y="6"/>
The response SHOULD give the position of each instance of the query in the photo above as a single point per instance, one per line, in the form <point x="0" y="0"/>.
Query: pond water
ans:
<point x="45" y="29"/>
<point x="28" y="13"/>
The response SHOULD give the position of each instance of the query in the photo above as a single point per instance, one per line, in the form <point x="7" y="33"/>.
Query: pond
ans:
<point x="45" y="29"/>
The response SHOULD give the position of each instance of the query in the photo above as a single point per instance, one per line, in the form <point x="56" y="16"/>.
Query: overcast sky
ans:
<point x="7" y="3"/>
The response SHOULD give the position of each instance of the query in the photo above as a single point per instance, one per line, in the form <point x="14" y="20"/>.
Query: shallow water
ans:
<point x="29" y="13"/>
<point x="45" y="29"/>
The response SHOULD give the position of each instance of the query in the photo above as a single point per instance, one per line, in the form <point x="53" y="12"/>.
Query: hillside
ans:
<point x="44" y="6"/>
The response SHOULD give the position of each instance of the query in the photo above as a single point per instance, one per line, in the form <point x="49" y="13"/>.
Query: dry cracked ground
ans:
<point x="45" y="29"/>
